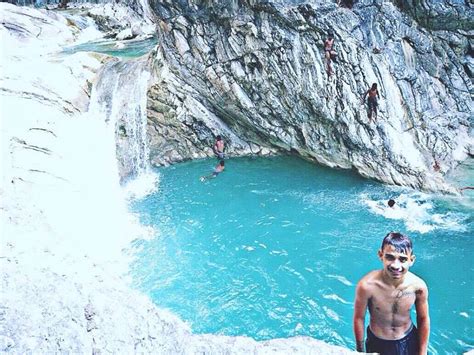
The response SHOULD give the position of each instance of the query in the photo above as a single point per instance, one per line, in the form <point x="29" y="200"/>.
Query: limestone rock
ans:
<point x="440" y="15"/>
<point x="125" y="34"/>
<point x="254" y="72"/>
<point x="6" y="343"/>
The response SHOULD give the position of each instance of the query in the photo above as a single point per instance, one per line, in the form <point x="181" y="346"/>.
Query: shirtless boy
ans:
<point x="389" y="295"/>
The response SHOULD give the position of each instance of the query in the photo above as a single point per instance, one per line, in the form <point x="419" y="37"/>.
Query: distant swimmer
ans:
<point x="219" y="148"/>
<point x="372" y="101"/>
<point x="217" y="170"/>
<point x="389" y="294"/>
<point x="391" y="203"/>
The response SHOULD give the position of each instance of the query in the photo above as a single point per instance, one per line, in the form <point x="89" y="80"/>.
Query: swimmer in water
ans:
<point x="217" y="170"/>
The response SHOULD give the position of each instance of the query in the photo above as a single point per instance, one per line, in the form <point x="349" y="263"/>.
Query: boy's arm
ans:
<point x="422" y="318"/>
<point x="360" y="307"/>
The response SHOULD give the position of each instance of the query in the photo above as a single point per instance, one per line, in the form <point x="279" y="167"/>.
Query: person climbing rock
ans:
<point x="329" y="54"/>
<point x="372" y="100"/>
<point x="219" y="148"/>
<point x="436" y="166"/>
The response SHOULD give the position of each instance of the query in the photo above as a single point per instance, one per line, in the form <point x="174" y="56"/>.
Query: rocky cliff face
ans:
<point x="440" y="15"/>
<point x="254" y="72"/>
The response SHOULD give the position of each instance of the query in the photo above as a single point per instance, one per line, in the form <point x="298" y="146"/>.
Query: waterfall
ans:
<point x="120" y="97"/>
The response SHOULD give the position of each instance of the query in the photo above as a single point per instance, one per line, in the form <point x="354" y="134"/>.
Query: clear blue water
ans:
<point x="274" y="247"/>
<point x="122" y="49"/>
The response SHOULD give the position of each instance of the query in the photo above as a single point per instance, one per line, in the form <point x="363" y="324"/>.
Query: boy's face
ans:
<point x="396" y="263"/>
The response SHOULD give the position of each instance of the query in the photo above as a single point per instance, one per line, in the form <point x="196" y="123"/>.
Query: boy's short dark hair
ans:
<point x="221" y="163"/>
<point x="219" y="138"/>
<point x="399" y="241"/>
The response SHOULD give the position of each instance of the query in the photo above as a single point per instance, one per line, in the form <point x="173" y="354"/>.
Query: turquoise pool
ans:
<point x="274" y="247"/>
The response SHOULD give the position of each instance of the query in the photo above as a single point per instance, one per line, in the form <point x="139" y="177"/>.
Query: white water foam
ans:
<point x="143" y="185"/>
<point x="416" y="211"/>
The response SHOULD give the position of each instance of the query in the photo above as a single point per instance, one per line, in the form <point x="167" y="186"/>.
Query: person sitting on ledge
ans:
<point x="217" y="170"/>
<point x="389" y="294"/>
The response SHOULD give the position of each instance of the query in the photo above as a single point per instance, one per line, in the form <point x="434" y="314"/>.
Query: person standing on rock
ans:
<point x="219" y="148"/>
<point x="389" y="294"/>
<point x="372" y="101"/>
<point x="329" y="53"/>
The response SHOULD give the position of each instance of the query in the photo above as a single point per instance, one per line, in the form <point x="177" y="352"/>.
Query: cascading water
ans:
<point x="120" y="94"/>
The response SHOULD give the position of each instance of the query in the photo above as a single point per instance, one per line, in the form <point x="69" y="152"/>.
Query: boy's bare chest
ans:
<point x="398" y="301"/>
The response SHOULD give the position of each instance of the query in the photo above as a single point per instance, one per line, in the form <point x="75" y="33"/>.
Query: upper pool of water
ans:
<point x="274" y="248"/>
<point x="123" y="49"/>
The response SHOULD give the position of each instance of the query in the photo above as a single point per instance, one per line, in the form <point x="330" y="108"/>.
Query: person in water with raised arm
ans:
<point x="372" y="101"/>
<point x="389" y="294"/>
<point x="217" y="170"/>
